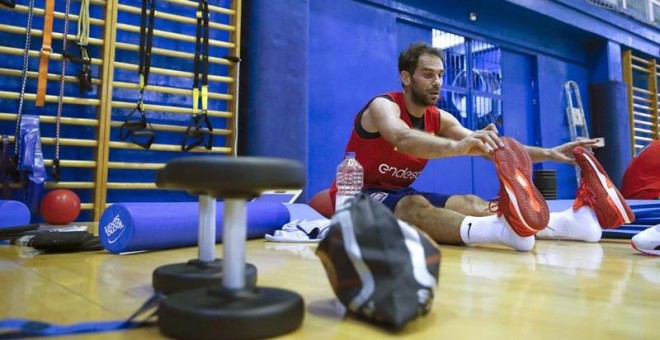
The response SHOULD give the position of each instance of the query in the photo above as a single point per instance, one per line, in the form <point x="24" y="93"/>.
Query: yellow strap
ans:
<point x="195" y="100"/>
<point x="205" y="97"/>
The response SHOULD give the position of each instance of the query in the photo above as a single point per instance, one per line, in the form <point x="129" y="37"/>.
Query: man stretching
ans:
<point x="403" y="130"/>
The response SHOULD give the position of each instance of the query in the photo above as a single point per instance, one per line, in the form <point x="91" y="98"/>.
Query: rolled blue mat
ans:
<point x="126" y="227"/>
<point x="13" y="213"/>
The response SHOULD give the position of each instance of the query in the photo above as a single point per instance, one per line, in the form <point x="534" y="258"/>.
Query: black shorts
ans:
<point x="390" y="198"/>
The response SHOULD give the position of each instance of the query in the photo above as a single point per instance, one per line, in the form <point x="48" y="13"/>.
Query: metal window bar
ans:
<point x="641" y="76"/>
<point x="471" y="90"/>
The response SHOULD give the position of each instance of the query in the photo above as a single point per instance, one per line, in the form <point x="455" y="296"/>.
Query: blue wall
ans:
<point x="310" y="65"/>
<point x="352" y="51"/>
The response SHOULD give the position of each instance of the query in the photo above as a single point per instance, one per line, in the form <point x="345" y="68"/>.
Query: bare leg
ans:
<point x="470" y="205"/>
<point x="450" y="227"/>
<point x="442" y="225"/>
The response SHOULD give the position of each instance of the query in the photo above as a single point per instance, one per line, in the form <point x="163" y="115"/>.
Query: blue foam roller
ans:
<point x="13" y="213"/>
<point x="126" y="227"/>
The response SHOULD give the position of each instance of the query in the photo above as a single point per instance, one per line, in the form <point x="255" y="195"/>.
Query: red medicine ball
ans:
<point x="321" y="202"/>
<point x="60" y="206"/>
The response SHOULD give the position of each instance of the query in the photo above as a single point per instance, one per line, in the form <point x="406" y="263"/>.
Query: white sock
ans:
<point x="493" y="229"/>
<point x="581" y="225"/>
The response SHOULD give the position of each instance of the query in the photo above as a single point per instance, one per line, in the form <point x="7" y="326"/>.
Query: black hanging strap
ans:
<point x="138" y="128"/>
<point x="200" y="127"/>
<point x="82" y="40"/>
<point x="8" y="3"/>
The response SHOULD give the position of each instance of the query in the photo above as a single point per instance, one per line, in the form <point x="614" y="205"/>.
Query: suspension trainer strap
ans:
<point x="139" y="129"/>
<point x="60" y="99"/>
<point x="8" y="3"/>
<point x="12" y="166"/>
<point x="82" y="39"/>
<point x="46" y="50"/>
<point x="200" y="127"/>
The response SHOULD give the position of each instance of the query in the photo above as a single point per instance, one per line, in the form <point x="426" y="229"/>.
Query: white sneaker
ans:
<point x="648" y="241"/>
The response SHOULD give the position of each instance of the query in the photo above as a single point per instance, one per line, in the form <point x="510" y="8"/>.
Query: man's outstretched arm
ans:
<point x="562" y="153"/>
<point x="382" y="116"/>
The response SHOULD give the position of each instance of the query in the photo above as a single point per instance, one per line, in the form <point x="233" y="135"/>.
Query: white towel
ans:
<point x="301" y="231"/>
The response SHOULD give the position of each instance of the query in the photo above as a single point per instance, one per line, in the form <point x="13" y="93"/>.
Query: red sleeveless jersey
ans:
<point x="385" y="167"/>
<point x="642" y="177"/>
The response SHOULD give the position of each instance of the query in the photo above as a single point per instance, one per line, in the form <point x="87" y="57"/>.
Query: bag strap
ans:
<point x="20" y="328"/>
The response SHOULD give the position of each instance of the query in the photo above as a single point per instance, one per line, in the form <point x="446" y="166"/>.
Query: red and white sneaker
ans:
<point x="597" y="191"/>
<point x="648" y="241"/>
<point x="522" y="205"/>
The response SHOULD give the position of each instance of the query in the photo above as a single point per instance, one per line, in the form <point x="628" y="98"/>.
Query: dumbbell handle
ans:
<point x="206" y="227"/>
<point x="234" y="234"/>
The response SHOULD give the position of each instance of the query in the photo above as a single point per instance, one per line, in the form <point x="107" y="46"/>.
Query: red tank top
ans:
<point x="642" y="177"/>
<point x="385" y="167"/>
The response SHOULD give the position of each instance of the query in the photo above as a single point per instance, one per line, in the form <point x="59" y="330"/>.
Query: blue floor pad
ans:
<point x="635" y="205"/>
<point x="647" y="213"/>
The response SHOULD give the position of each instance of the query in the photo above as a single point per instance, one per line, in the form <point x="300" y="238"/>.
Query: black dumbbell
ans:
<point x="234" y="309"/>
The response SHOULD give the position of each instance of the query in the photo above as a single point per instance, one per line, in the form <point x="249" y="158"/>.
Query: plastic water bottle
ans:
<point x="350" y="178"/>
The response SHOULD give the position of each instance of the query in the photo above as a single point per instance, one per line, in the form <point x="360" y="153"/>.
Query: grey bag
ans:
<point x="380" y="268"/>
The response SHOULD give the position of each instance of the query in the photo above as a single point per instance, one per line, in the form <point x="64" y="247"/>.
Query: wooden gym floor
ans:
<point x="561" y="290"/>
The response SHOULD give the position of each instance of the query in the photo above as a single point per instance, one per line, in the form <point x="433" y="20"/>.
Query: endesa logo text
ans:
<point x="396" y="172"/>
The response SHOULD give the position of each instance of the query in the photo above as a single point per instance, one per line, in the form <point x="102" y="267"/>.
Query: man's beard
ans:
<point x="420" y="97"/>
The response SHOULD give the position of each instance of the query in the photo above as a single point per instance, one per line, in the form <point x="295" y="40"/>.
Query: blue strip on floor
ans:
<point x="648" y="220"/>
<point x="646" y="212"/>
<point x="620" y="234"/>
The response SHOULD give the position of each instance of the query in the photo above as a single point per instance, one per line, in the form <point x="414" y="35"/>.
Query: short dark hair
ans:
<point x="410" y="56"/>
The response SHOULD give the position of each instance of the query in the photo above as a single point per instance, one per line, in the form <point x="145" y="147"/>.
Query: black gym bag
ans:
<point x="380" y="268"/>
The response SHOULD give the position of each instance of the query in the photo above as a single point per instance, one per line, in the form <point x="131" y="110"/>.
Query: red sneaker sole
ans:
<point x="514" y="173"/>
<point x="614" y="199"/>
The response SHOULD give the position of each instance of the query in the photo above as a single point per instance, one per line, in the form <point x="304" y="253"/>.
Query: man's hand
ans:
<point x="564" y="153"/>
<point x="481" y="142"/>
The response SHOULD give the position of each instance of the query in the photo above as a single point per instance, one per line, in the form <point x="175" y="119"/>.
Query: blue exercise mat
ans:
<point x="13" y="213"/>
<point x="126" y="227"/>
<point x="635" y="205"/>
<point x="647" y="213"/>
<point x="649" y="220"/>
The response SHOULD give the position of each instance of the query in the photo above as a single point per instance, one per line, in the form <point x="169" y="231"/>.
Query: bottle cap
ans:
<point x="350" y="154"/>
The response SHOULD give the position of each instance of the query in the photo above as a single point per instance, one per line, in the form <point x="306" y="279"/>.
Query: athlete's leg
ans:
<point x="450" y="227"/>
<point x="598" y="204"/>
<point x="471" y="205"/>
<point x="443" y="225"/>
